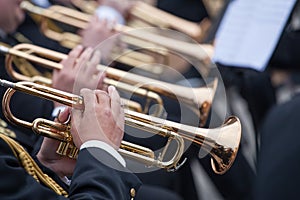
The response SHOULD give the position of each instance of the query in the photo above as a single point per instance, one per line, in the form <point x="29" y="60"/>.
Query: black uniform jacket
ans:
<point x="91" y="179"/>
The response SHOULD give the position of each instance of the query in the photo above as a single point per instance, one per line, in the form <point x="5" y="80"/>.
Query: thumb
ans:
<point x="63" y="114"/>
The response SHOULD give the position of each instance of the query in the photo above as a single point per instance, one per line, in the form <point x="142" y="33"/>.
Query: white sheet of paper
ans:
<point x="250" y="31"/>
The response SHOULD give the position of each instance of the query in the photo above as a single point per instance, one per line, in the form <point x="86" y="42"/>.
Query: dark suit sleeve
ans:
<point x="99" y="176"/>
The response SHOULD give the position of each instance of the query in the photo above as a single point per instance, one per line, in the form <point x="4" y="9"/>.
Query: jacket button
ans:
<point x="132" y="192"/>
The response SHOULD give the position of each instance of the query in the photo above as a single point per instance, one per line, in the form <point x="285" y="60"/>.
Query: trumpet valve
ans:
<point x="67" y="149"/>
<point x="73" y="153"/>
<point x="62" y="148"/>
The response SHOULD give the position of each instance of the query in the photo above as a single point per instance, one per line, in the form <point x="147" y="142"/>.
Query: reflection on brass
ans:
<point x="49" y="18"/>
<point x="148" y="15"/>
<point x="204" y="111"/>
<point x="221" y="143"/>
<point x="150" y="89"/>
<point x="80" y="20"/>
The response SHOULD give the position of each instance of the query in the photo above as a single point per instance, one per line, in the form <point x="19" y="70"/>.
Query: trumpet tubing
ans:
<point x="152" y="16"/>
<point x="162" y="19"/>
<point x="221" y="143"/>
<point x="15" y="52"/>
<point x="80" y="20"/>
<point x="198" y="99"/>
<point x="86" y="6"/>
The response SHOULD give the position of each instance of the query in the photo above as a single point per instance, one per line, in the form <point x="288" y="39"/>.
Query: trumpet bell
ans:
<point x="226" y="146"/>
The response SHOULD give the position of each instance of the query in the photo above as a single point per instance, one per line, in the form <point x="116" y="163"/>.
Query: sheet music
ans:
<point x="249" y="32"/>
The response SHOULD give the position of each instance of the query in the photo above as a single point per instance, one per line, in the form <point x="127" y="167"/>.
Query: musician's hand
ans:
<point x="61" y="165"/>
<point x="79" y="71"/>
<point x="102" y="119"/>
<point x="98" y="34"/>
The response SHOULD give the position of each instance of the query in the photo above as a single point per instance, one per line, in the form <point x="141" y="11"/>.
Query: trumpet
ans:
<point x="198" y="99"/>
<point x="221" y="143"/>
<point x="35" y="76"/>
<point x="128" y="56"/>
<point x="154" y="17"/>
<point x="80" y="20"/>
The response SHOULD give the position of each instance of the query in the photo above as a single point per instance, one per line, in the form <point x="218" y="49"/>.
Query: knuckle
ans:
<point x="107" y="113"/>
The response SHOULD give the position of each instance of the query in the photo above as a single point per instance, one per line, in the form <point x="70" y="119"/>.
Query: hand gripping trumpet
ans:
<point x="221" y="143"/>
<point x="198" y="99"/>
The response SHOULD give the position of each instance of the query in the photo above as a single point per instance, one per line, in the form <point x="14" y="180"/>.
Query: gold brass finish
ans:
<point x="151" y="16"/>
<point x="80" y="20"/>
<point x="31" y="53"/>
<point x="198" y="99"/>
<point x="162" y="19"/>
<point x="221" y="143"/>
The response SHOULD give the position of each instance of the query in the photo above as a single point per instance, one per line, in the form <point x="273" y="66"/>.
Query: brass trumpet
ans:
<point x="127" y="56"/>
<point x="198" y="99"/>
<point x="25" y="51"/>
<point x="154" y="17"/>
<point x="221" y="143"/>
<point x="80" y="20"/>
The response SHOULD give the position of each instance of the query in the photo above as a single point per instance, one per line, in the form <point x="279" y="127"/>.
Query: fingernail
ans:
<point x="111" y="88"/>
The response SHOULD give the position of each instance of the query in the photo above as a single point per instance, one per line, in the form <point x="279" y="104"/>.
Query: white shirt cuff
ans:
<point x="110" y="14"/>
<point x="66" y="180"/>
<point x="109" y="149"/>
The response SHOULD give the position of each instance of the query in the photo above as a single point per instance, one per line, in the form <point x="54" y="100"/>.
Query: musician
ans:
<point x="277" y="176"/>
<point x="27" y="107"/>
<point x="247" y="85"/>
<point x="99" y="171"/>
<point x="23" y="106"/>
<point x="64" y="80"/>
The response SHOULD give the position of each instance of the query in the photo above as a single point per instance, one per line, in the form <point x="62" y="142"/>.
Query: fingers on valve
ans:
<point x="116" y="104"/>
<point x="103" y="98"/>
<point x="73" y="56"/>
<point x="94" y="61"/>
